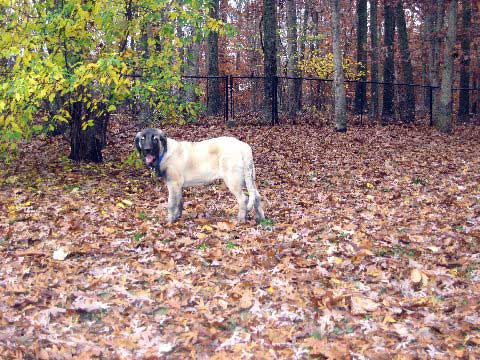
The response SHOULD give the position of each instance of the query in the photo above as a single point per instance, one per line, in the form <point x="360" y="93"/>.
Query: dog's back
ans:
<point x="212" y="159"/>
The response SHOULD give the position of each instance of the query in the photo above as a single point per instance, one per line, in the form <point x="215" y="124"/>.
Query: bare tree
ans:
<point x="389" y="64"/>
<point x="464" y="101"/>
<point x="214" y="99"/>
<point x="436" y="7"/>
<point x="444" y="120"/>
<point x="361" y="86"/>
<point x="338" y="76"/>
<point x="270" y="58"/>
<point x="408" y="101"/>
<point x="374" y="58"/>
<point x="294" y="85"/>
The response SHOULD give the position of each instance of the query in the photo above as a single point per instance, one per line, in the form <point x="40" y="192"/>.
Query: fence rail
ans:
<point x="244" y="93"/>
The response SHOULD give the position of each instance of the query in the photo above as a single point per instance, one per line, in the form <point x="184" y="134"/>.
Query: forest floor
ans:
<point x="371" y="250"/>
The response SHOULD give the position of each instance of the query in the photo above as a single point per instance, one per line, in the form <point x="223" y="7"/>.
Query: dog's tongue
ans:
<point x="149" y="159"/>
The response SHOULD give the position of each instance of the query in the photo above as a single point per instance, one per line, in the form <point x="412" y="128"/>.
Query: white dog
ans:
<point x="186" y="163"/>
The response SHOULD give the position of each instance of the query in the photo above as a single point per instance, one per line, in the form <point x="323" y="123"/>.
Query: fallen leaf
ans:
<point x="60" y="254"/>
<point x="207" y="228"/>
<point x="361" y="305"/>
<point x="88" y="304"/>
<point x="330" y="350"/>
<point x="127" y="202"/>
<point x="246" y="301"/>
<point x="416" y="276"/>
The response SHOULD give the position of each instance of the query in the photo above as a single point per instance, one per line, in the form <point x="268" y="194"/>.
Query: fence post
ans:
<point x="225" y="113"/>
<point x="274" y="83"/>
<point x="430" y="88"/>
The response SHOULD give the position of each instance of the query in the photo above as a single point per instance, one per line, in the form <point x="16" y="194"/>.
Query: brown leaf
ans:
<point x="361" y="305"/>
<point x="331" y="350"/>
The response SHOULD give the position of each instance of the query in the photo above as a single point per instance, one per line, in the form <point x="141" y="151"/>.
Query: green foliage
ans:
<point x="203" y="247"/>
<point x="267" y="223"/>
<point x="133" y="160"/>
<point x="138" y="236"/>
<point x="70" y="51"/>
<point x="322" y="66"/>
<point x="231" y="245"/>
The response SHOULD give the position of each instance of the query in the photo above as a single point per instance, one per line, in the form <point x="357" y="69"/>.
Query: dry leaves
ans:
<point x="372" y="251"/>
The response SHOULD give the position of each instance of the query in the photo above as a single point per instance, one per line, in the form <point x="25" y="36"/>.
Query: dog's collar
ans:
<point x="159" y="172"/>
<point x="159" y="160"/>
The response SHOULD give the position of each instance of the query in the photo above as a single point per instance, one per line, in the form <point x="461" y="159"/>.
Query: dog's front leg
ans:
<point x="175" y="201"/>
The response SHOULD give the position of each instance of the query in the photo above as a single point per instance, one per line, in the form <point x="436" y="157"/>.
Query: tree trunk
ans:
<point x="444" y="122"/>
<point x="254" y="61"/>
<point x="389" y="65"/>
<point x="294" y="85"/>
<point x="270" y="60"/>
<point x="214" y="99"/>
<point x="193" y="69"/>
<point x="361" y="86"/>
<point x="429" y="35"/>
<point x="374" y="58"/>
<point x="464" y="101"/>
<point x="302" y="47"/>
<point x="222" y="50"/>
<point x="476" y="85"/>
<point x="87" y="145"/>
<point x="143" y="110"/>
<point x="281" y="54"/>
<point x="338" y="77"/>
<point x="317" y="98"/>
<point x="314" y="44"/>
<point x="181" y="55"/>
<point x="408" y="101"/>
<point x="437" y="8"/>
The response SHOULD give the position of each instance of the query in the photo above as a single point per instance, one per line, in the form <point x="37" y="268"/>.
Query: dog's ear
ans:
<point x="160" y="133"/>
<point x="137" y="141"/>
<point x="163" y="138"/>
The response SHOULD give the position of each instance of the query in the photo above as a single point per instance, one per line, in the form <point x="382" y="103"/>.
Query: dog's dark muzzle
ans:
<point x="150" y="154"/>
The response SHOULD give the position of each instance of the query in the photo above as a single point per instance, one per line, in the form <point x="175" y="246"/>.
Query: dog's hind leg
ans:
<point x="259" y="215"/>
<point x="234" y="182"/>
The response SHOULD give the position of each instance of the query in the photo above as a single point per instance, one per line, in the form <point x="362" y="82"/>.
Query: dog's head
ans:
<point x="151" y="145"/>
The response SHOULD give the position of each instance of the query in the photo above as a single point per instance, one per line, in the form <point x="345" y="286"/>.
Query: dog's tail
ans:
<point x="249" y="177"/>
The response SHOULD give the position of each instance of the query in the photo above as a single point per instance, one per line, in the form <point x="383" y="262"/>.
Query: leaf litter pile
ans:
<point x="370" y="249"/>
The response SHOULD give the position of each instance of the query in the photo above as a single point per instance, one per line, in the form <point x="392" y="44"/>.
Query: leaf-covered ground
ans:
<point x="372" y="251"/>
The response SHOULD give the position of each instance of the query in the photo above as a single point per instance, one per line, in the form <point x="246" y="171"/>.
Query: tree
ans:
<point x="408" y="101"/>
<point x="374" y="57"/>
<point x="361" y="86"/>
<point x="214" y="99"/>
<point x="270" y="59"/>
<point x="476" y="84"/>
<point x="464" y="100"/>
<point x="389" y="64"/>
<point x="193" y="66"/>
<point x="83" y="54"/>
<point x="294" y="85"/>
<point x="254" y="55"/>
<point x="338" y="79"/>
<point x="436" y="7"/>
<point x="444" y="120"/>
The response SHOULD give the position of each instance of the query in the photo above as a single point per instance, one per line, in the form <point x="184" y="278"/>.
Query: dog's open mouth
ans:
<point x="150" y="159"/>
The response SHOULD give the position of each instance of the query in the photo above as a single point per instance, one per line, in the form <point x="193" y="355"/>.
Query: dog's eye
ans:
<point x="143" y="138"/>
<point x="155" y="138"/>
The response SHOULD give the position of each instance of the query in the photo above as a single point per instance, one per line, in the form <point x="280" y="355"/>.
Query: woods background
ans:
<point x="70" y="64"/>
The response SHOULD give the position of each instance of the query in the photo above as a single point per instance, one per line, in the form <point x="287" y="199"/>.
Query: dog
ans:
<point x="183" y="163"/>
